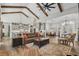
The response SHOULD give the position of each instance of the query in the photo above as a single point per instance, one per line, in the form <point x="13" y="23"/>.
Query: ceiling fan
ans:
<point x="48" y="6"/>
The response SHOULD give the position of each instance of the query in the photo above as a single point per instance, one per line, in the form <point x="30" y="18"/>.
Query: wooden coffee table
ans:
<point x="41" y="42"/>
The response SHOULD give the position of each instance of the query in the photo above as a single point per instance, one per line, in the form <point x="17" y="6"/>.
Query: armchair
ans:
<point x="67" y="40"/>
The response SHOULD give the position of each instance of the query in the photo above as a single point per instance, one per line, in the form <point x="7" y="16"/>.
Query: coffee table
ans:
<point x="41" y="42"/>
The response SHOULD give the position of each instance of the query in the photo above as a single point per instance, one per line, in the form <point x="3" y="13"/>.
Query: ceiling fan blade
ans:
<point x="43" y="4"/>
<point x="51" y="4"/>
<point x="46" y="4"/>
<point x="51" y="7"/>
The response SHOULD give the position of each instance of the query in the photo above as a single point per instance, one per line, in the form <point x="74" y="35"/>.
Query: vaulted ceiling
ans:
<point x="37" y="10"/>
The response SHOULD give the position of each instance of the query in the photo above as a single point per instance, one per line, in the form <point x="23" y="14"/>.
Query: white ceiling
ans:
<point x="68" y="8"/>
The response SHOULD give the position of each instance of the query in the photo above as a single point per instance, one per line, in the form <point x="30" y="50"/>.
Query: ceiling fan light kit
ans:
<point x="48" y="6"/>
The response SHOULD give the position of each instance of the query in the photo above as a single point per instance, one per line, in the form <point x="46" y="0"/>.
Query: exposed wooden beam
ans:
<point x="14" y="13"/>
<point x="60" y="7"/>
<point x="3" y="6"/>
<point x="42" y="9"/>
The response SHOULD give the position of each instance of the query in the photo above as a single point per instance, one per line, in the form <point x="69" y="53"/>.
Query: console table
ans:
<point x="17" y="42"/>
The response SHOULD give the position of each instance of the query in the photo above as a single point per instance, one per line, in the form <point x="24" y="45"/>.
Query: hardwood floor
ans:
<point x="75" y="49"/>
<point x="51" y="49"/>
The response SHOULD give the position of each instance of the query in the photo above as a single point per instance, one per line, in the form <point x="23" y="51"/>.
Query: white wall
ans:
<point x="54" y="20"/>
<point x="57" y="24"/>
